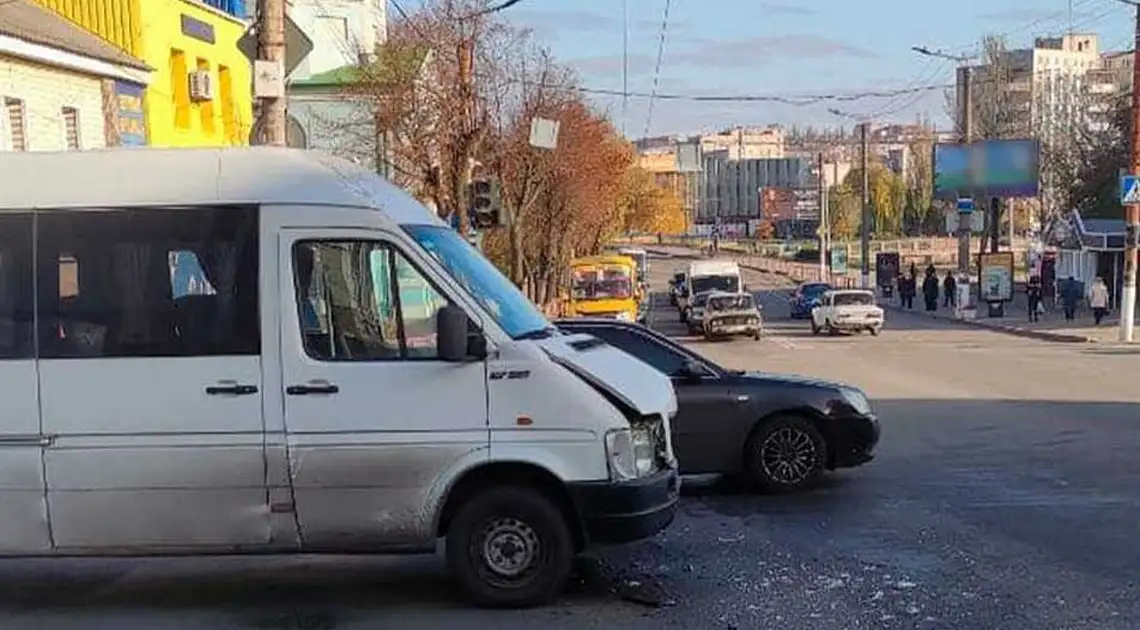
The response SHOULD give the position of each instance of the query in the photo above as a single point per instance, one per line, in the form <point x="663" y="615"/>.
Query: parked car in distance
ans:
<point x="675" y="286"/>
<point x="780" y="432"/>
<point x="805" y="298"/>
<point x="731" y="315"/>
<point x="850" y="310"/>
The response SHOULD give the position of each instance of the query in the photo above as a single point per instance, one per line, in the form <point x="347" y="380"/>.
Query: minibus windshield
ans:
<point x="502" y="299"/>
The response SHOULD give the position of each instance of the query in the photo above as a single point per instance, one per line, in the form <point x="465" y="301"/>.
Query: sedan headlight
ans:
<point x="630" y="453"/>
<point x="624" y="316"/>
<point x="857" y="399"/>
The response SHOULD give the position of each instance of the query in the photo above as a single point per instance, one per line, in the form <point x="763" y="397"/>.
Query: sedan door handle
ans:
<point x="305" y="390"/>
<point x="742" y="398"/>
<point x="231" y="390"/>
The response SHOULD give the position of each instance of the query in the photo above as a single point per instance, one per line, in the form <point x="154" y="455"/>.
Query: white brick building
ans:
<point x="58" y="83"/>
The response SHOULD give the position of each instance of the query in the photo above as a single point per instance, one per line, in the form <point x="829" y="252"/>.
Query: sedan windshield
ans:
<point x="731" y="302"/>
<point x="812" y="291"/>
<point x="729" y="284"/>
<point x="511" y="309"/>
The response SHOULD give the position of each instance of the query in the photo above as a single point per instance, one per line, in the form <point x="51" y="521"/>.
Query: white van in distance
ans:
<point x="710" y="275"/>
<point x="260" y="350"/>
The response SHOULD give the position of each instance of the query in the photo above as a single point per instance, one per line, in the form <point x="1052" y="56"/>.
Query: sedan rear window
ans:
<point x="853" y="299"/>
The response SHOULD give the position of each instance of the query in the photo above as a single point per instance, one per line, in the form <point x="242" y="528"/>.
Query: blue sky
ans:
<point x="790" y="48"/>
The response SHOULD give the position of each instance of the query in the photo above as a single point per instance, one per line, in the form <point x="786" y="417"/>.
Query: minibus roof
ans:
<point x="142" y="177"/>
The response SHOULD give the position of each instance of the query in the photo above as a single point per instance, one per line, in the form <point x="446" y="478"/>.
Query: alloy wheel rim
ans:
<point x="788" y="455"/>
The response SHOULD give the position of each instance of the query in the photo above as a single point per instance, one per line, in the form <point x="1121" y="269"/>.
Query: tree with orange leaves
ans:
<point x="451" y="93"/>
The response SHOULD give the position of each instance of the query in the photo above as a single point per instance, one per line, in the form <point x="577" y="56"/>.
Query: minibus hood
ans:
<point x="637" y="384"/>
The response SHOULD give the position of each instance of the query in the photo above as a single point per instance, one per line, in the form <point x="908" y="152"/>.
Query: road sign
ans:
<point x="965" y="205"/>
<point x="1129" y="189"/>
<point x="297" y="45"/>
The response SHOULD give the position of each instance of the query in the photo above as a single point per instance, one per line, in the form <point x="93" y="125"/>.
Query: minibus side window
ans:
<point x="17" y="295"/>
<point x="373" y="305"/>
<point x="148" y="282"/>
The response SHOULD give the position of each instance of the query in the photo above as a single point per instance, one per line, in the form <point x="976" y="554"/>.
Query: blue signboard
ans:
<point x="130" y="121"/>
<point x="993" y="168"/>
<point x="965" y="205"/>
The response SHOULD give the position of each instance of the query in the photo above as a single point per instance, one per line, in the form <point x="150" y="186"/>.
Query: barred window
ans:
<point x="16" y="127"/>
<point x="71" y="127"/>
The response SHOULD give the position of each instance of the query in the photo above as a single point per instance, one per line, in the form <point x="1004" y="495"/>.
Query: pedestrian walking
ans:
<point x="930" y="289"/>
<point x="1033" y="298"/>
<point x="1098" y="300"/>
<point x="949" y="290"/>
<point x="907" y="289"/>
<point x="1070" y="297"/>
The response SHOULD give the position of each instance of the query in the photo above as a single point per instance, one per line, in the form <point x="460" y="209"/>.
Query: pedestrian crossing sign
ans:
<point x="1129" y="190"/>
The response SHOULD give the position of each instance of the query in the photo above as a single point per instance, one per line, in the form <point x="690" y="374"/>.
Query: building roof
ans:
<point x="387" y="65"/>
<point x="151" y="177"/>
<point x="25" y="20"/>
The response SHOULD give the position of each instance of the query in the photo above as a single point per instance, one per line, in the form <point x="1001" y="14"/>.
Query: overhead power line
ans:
<point x="657" y="67"/>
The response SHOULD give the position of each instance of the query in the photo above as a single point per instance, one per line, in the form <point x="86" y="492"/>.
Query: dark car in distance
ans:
<point x="806" y="297"/>
<point x="777" y="431"/>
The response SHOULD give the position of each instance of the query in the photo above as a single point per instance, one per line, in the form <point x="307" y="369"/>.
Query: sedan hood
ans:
<point x="796" y="379"/>
<point x="637" y="384"/>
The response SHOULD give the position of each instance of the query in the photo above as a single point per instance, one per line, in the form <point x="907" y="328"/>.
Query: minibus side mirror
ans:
<point x="452" y="326"/>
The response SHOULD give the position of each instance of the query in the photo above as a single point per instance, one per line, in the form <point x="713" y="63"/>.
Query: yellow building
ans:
<point x="199" y="94"/>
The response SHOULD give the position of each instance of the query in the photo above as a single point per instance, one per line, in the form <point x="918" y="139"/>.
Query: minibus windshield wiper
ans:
<point x="538" y="333"/>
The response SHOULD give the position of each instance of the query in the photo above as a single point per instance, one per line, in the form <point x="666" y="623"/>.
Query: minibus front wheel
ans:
<point x="510" y="547"/>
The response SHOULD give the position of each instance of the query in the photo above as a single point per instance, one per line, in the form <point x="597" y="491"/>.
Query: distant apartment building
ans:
<point x="663" y="165"/>
<point x="1059" y="84"/>
<point x="730" y="189"/>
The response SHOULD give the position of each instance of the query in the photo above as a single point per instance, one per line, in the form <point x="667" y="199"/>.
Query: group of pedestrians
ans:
<point x="1070" y="293"/>
<point x="908" y="286"/>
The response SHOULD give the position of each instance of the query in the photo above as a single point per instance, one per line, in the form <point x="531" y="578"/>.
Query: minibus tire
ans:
<point x="512" y="515"/>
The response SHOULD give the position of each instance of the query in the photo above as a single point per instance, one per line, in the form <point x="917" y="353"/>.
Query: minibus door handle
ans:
<point x="231" y="389"/>
<point x="312" y="388"/>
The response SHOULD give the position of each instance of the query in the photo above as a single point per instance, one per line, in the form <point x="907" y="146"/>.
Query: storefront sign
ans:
<point x="130" y="122"/>
<point x="197" y="29"/>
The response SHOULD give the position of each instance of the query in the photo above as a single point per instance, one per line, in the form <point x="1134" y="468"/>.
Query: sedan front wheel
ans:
<point x="785" y="454"/>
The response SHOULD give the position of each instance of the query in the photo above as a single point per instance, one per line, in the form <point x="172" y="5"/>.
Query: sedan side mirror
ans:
<point x="692" y="371"/>
<point x="454" y="338"/>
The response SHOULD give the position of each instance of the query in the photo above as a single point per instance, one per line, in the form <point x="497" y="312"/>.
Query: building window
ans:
<point x="17" y="123"/>
<point x="206" y="108"/>
<point x="71" y="127"/>
<point x="337" y="28"/>
<point x="180" y="89"/>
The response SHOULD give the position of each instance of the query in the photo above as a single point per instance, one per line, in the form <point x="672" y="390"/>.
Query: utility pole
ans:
<point x="865" y="224"/>
<point x="271" y="47"/>
<point x="967" y="136"/>
<point x="824" y="245"/>
<point x="1132" y="211"/>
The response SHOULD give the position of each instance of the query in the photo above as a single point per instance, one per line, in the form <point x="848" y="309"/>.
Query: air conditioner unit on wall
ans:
<point x="201" y="86"/>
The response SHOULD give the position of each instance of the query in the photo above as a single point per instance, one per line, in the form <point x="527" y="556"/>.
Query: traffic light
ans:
<point x="485" y="203"/>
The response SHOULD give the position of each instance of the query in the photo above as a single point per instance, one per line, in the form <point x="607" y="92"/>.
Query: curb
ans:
<point x="1008" y="329"/>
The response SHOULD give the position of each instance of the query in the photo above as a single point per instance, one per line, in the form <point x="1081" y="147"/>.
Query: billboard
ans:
<point x="991" y="168"/>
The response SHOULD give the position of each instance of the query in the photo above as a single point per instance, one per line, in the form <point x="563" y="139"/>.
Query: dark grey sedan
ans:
<point x="780" y="432"/>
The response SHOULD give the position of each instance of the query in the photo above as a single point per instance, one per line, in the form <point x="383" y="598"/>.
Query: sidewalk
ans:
<point x="1051" y="326"/>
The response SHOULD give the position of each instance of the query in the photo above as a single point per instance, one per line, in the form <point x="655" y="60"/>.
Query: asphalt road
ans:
<point x="1006" y="494"/>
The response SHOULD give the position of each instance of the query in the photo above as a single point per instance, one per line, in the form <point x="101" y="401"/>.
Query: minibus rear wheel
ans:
<point x="510" y="547"/>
